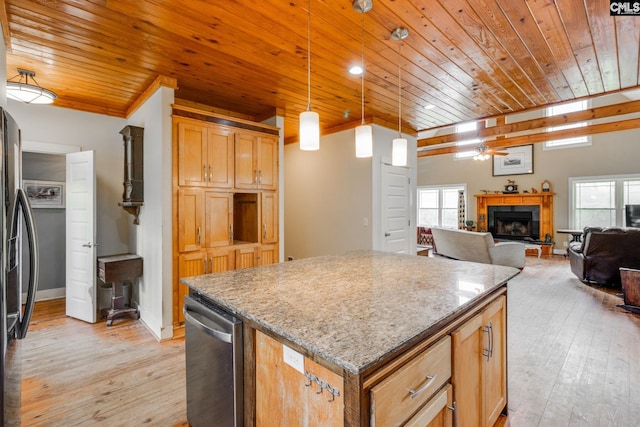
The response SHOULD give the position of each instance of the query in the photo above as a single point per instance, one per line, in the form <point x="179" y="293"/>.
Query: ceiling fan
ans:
<point x="483" y="153"/>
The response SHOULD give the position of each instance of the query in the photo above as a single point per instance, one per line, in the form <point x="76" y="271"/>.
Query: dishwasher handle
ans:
<point x="215" y="333"/>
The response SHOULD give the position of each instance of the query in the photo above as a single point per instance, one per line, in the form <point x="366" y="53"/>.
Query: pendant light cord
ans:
<point x="363" y="68"/>
<point x="399" y="92"/>
<point x="309" y="55"/>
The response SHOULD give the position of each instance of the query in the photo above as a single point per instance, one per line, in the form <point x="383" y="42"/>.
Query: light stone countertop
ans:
<point x="353" y="309"/>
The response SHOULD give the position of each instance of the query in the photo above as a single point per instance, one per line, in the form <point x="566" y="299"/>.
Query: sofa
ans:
<point x="477" y="247"/>
<point x="598" y="258"/>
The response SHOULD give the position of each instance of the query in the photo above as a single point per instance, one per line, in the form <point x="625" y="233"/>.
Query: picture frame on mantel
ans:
<point x="518" y="161"/>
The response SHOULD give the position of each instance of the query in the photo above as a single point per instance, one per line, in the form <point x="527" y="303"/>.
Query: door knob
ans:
<point x="87" y="245"/>
<point x="387" y="234"/>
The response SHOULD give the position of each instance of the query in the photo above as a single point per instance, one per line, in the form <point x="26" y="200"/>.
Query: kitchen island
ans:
<point x="369" y="338"/>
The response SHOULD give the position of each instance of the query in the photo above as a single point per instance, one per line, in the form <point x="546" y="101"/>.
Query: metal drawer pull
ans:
<point x="415" y="393"/>
<point x="210" y="174"/>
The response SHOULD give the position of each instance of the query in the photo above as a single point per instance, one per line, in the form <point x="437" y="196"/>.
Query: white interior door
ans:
<point x="395" y="209"/>
<point x="81" y="233"/>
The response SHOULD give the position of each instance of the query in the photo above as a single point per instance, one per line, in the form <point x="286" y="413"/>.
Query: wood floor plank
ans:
<point x="572" y="360"/>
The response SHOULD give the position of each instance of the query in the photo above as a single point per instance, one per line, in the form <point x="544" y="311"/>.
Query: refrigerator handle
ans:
<point x="23" y="202"/>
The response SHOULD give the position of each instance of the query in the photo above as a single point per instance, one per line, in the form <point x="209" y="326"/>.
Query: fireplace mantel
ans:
<point x="543" y="200"/>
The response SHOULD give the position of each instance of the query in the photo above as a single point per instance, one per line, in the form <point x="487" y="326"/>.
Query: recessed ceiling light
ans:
<point x="429" y="107"/>
<point x="356" y="70"/>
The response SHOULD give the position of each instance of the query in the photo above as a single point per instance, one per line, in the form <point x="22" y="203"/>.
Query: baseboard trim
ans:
<point x="47" y="294"/>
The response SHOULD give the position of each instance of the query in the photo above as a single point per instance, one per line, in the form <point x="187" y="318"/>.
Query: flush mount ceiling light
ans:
<point x="364" y="133"/>
<point x="23" y="91"/>
<point x="399" y="147"/>
<point x="309" y="120"/>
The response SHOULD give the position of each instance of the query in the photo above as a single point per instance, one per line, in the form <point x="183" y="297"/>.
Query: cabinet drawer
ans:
<point x="435" y="412"/>
<point x="403" y="392"/>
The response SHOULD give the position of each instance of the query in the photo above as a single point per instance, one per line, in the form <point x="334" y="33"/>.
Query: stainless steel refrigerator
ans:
<point x="18" y="229"/>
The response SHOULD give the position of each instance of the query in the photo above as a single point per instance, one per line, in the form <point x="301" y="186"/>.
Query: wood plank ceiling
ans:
<point x="470" y="59"/>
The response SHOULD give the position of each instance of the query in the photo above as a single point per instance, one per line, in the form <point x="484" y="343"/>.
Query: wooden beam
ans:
<point x="160" y="81"/>
<point x="541" y="137"/>
<point x="539" y="123"/>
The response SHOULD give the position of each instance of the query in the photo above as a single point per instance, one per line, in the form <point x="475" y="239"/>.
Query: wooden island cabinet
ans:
<point x="369" y="339"/>
<point x="225" y="189"/>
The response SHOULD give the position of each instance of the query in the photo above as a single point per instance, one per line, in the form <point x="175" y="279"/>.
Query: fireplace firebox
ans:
<point x="514" y="222"/>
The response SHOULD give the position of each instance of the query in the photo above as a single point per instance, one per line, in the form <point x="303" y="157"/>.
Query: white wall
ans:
<point x="62" y="126"/>
<point x="153" y="236"/>
<point x="329" y="192"/>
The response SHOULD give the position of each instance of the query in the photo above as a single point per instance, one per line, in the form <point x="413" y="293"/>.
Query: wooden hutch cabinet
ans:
<point x="225" y="189"/>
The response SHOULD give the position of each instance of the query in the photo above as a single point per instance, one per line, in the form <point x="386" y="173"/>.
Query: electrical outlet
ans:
<point x="365" y="222"/>
<point x="565" y="243"/>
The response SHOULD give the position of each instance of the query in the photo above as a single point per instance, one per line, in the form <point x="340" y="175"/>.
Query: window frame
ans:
<point x="619" y="207"/>
<point x="441" y="187"/>
<point x="563" y="143"/>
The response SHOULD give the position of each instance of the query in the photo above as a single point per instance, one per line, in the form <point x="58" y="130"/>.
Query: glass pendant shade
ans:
<point x="29" y="94"/>
<point x="364" y="141"/>
<point x="399" y="152"/>
<point x="309" y="131"/>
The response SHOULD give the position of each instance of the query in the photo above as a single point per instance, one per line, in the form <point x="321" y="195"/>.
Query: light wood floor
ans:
<point x="78" y="374"/>
<point x="573" y="361"/>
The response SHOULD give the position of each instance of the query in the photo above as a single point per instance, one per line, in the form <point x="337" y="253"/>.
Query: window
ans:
<point x="600" y="201"/>
<point x="438" y="206"/>
<point x="579" y="141"/>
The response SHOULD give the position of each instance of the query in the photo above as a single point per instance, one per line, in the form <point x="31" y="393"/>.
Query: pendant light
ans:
<point x="309" y="120"/>
<point x="399" y="145"/>
<point x="29" y="93"/>
<point x="364" y="133"/>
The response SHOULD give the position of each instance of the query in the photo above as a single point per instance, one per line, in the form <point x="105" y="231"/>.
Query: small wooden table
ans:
<point x="117" y="269"/>
<point x="576" y="235"/>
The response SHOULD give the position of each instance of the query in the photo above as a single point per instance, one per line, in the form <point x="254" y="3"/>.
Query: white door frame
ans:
<point x="48" y="148"/>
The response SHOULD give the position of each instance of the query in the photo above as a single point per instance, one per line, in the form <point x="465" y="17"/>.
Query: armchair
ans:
<point x="477" y="247"/>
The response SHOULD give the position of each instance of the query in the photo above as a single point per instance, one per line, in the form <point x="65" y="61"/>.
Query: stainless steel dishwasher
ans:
<point x="214" y="364"/>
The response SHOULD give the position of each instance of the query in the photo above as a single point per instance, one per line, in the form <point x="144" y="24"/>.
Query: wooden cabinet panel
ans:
<point x="246" y="171"/>
<point x="467" y="373"/>
<point x="479" y="360"/>
<point x="192" y="153"/>
<point x="495" y="378"/>
<point x="269" y="216"/>
<point x="220" y="157"/>
<point x="436" y="413"/>
<point x="205" y="154"/>
<point x="218" y="218"/>
<point x="402" y="393"/>
<point x="283" y="397"/>
<point x="268" y="255"/>
<point x="256" y="161"/>
<point x="189" y="264"/>
<point x="246" y="257"/>
<point x="190" y="219"/>
<point x="220" y="259"/>
<point x="268" y="163"/>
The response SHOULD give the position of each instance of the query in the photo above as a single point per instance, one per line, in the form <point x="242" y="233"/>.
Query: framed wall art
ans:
<point x="518" y="161"/>
<point x="44" y="194"/>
